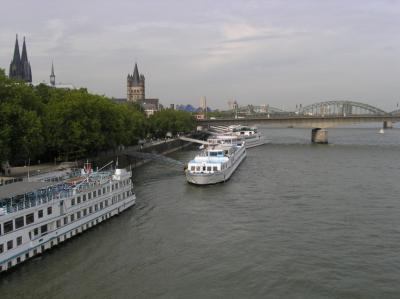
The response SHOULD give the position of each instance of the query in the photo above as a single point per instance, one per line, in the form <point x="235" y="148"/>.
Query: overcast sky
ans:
<point x="276" y="52"/>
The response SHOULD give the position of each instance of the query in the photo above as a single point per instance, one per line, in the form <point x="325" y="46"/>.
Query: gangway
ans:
<point x="154" y="157"/>
<point x="193" y="140"/>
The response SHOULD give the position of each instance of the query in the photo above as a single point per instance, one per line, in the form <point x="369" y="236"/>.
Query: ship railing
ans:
<point x="32" y="200"/>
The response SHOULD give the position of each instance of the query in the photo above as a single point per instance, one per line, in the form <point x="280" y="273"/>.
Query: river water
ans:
<point x="296" y="220"/>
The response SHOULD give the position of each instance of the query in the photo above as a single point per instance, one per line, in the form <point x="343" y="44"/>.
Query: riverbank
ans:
<point x="160" y="147"/>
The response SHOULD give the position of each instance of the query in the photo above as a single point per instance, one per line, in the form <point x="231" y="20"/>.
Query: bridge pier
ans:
<point x="319" y="135"/>
<point x="387" y="124"/>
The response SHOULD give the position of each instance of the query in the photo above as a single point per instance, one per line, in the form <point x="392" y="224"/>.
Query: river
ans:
<point x="296" y="220"/>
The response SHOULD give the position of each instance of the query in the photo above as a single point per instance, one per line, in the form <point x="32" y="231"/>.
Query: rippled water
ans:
<point x="295" y="221"/>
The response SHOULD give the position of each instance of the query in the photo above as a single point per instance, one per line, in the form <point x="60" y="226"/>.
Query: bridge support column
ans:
<point x="319" y="135"/>
<point x="388" y="124"/>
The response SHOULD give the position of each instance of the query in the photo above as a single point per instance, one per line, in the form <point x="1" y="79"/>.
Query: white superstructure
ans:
<point x="250" y="135"/>
<point x="35" y="216"/>
<point x="216" y="162"/>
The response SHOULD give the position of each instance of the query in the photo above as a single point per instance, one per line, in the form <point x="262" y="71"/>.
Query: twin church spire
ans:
<point x="20" y="68"/>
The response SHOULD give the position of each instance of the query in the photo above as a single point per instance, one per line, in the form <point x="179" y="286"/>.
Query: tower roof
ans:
<point x="52" y="69"/>
<point x="17" y="57"/>
<point x="24" y="55"/>
<point x="136" y="78"/>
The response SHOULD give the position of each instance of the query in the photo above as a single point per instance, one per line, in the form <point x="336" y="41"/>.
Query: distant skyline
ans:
<point x="278" y="52"/>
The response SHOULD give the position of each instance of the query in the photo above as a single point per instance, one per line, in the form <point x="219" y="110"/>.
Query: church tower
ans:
<point x="52" y="76"/>
<point x="15" y="66"/>
<point x="20" y="68"/>
<point x="135" y="86"/>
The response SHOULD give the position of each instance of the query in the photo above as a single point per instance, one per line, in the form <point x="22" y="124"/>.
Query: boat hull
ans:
<point x="214" y="178"/>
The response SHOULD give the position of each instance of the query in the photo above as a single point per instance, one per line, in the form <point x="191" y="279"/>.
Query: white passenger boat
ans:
<point x="216" y="162"/>
<point x="249" y="134"/>
<point x="37" y="215"/>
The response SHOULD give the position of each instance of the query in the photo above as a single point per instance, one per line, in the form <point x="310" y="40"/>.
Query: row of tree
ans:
<point x="41" y="122"/>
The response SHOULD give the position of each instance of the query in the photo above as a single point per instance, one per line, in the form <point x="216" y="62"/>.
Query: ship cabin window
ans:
<point x="1" y="248"/>
<point x="40" y="213"/>
<point x="43" y="229"/>
<point x="78" y="215"/>
<point x="72" y="201"/>
<point x="19" y="222"/>
<point x="72" y="217"/>
<point x="192" y="168"/>
<point x="78" y="200"/>
<point x="19" y="241"/>
<point x="215" y="168"/>
<point x="65" y="220"/>
<point x="30" y="218"/>
<point x="84" y="197"/>
<point x="9" y="244"/>
<point x="213" y="154"/>
<point x="8" y="227"/>
<point x="49" y="210"/>
<point x="94" y="194"/>
<point x="208" y="168"/>
<point x="89" y="196"/>
<point x="58" y="223"/>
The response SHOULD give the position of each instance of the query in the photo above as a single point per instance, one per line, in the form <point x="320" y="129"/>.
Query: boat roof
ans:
<point x="20" y="188"/>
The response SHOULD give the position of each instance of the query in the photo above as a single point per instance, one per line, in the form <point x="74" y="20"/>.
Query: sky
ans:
<point x="277" y="52"/>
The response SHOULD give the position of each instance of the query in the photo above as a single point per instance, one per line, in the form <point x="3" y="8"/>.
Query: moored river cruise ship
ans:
<point x="217" y="161"/>
<point x="37" y="215"/>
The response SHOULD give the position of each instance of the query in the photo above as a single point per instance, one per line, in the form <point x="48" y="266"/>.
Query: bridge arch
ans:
<point x="340" y="108"/>
<point x="252" y="109"/>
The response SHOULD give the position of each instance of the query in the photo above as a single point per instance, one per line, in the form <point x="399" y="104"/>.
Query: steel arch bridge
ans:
<point x="395" y="112"/>
<point x="340" y="108"/>
<point x="251" y="109"/>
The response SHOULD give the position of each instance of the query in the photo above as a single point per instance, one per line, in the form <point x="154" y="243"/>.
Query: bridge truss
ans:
<point x="340" y="108"/>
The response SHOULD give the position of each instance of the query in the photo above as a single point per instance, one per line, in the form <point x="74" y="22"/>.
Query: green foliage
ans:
<point x="172" y="121"/>
<point x="41" y="122"/>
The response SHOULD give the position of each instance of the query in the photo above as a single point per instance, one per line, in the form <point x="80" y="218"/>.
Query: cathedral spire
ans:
<point x="15" y="71"/>
<point x="17" y="57"/>
<point x="24" y="55"/>
<point x="52" y="76"/>
<point x="20" y="68"/>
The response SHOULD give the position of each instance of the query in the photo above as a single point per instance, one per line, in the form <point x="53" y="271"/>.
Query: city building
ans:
<point x="20" y="68"/>
<point x="135" y="86"/>
<point x="151" y="106"/>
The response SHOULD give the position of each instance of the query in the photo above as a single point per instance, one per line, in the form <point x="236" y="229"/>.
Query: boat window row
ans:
<point x="20" y="222"/>
<point x="203" y="168"/>
<point x="44" y="229"/>
<point x="101" y="191"/>
<point x="10" y="244"/>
